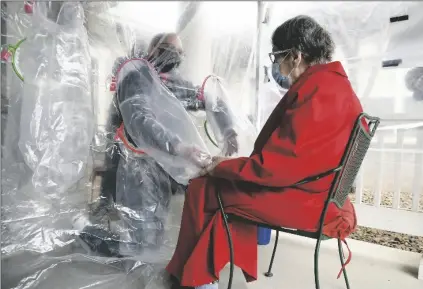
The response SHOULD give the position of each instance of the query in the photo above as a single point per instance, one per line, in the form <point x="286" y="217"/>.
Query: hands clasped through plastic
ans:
<point x="204" y="160"/>
<point x="215" y="161"/>
<point x="160" y="148"/>
<point x="150" y="103"/>
<point x="195" y="155"/>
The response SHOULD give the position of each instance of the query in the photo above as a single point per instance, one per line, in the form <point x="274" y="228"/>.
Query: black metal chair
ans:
<point x="345" y="175"/>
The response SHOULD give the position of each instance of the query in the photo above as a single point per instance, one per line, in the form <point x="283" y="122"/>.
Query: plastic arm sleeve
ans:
<point x="139" y="119"/>
<point x="222" y="116"/>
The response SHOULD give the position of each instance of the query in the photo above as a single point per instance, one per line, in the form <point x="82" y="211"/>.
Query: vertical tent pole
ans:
<point x="192" y="28"/>
<point x="4" y="100"/>
<point x="258" y="44"/>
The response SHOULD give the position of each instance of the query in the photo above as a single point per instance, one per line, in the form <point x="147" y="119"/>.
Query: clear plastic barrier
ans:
<point x="110" y="108"/>
<point x="103" y="127"/>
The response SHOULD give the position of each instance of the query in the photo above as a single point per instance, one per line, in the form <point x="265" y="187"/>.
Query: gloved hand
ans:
<point x="230" y="146"/>
<point x="194" y="154"/>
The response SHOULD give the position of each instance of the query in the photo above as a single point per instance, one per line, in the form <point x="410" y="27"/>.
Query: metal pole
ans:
<point x="258" y="43"/>
<point x="189" y="10"/>
<point x="4" y="97"/>
<point x="192" y="28"/>
<point x="4" y="82"/>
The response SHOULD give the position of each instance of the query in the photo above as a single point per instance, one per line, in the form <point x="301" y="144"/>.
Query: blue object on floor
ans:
<point x="263" y="236"/>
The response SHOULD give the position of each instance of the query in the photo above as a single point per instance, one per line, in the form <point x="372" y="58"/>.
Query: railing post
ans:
<point x="398" y="169"/>
<point x="379" y="176"/>
<point x="358" y="186"/>
<point x="418" y="171"/>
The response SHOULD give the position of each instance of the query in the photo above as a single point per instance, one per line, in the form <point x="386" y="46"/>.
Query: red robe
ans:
<point x="305" y="135"/>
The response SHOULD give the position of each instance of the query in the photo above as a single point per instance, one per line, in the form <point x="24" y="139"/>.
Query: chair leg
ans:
<point x="316" y="264"/>
<point x="269" y="272"/>
<point x="229" y="235"/>
<point x="341" y="257"/>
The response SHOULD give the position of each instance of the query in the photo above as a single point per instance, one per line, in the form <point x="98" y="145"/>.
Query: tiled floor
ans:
<point x="372" y="267"/>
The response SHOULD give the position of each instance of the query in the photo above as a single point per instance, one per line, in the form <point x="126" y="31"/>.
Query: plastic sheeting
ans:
<point x="97" y="145"/>
<point x="270" y="95"/>
<point x="55" y="124"/>
<point x="233" y="132"/>
<point x="365" y="37"/>
<point x="157" y="122"/>
<point x="101" y="138"/>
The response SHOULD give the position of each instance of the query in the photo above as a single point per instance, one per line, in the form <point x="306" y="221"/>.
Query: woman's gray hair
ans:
<point x="303" y="34"/>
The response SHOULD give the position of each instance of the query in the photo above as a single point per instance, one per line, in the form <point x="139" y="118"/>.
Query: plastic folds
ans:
<point x="270" y="95"/>
<point x="234" y="133"/>
<point x="109" y="108"/>
<point x="54" y="132"/>
<point x="104" y="126"/>
<point x="57" y="115"/>
<point x="157" y="122"/>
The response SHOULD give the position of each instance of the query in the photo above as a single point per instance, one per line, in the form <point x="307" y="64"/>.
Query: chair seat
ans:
<point x="311" y="235"/>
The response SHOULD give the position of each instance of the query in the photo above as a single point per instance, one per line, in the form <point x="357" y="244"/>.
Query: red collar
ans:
<point x="335" y="66"/>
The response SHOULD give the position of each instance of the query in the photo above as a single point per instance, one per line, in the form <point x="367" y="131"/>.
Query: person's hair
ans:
<point x="303" y="34"/>
<point x="159" y="39"/>
<point x="411" y="78"/>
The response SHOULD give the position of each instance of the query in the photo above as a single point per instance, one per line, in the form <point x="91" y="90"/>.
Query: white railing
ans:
<point x="389" y="188"/>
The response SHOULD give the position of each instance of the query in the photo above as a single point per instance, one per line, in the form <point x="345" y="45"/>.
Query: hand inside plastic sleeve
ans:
<point x="215" y="161"/>
<point x="194" y="154"/>
<point x="231" y="143"/>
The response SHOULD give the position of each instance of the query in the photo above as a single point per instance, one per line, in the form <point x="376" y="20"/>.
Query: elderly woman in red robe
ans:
<point x="305" y="135"/>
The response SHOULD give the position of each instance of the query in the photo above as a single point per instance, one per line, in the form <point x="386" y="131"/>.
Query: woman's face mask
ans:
<point x="280" y="79"/>
<point x="284" y="81"/>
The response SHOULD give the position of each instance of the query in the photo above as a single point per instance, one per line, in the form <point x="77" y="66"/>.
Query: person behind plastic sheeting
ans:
<point x="305" y="135"/>
<point x="414" y="82"/>
<point x="166" y="54"/>
<point x="138" y="180"/>
<point x="165" y="51"/>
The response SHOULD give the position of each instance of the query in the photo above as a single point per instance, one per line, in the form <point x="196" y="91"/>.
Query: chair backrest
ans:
<point x="355" y="151"/>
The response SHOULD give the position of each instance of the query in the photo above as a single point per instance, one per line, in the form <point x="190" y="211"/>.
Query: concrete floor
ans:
<point x="372" y="266"/>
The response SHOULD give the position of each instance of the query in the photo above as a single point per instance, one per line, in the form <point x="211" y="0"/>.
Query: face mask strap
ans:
<point x="289" y="74"/>
<point x="283" y="59"/>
